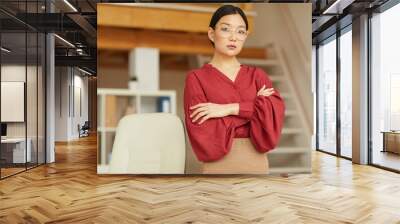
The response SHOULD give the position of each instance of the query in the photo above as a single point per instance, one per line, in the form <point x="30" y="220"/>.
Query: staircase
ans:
<point x="292" y="154"/>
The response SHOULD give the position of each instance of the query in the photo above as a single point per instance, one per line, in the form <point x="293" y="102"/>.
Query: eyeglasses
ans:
<point x="225" y="32"/>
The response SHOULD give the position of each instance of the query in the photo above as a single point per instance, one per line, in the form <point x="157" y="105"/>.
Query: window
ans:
<point x="22" y="74"/>
<point x="346" y="75"/>
<point x="327" y="96"/>
<point x="385" y="88"/>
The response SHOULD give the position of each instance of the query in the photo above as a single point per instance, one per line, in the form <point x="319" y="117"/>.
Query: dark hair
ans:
<point x="226" y="10"/>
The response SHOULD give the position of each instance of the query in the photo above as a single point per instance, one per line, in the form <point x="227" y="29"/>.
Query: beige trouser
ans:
<point x="243" y="158"/>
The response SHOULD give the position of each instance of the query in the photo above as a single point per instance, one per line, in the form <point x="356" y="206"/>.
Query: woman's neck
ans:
<point x="223" y="61"/>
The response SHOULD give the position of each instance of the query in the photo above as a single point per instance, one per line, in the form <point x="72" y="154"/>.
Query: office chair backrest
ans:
<point x="86" y="125"/>
<point x="149" y="143"/>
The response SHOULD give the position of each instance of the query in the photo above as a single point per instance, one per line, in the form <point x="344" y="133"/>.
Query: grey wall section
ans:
<point x="71" y="102"/>
<point x="62" y="99"/>
<point x="360" y="90"/>
<point x="314" y="93"/>
<point x="50" y="99"/>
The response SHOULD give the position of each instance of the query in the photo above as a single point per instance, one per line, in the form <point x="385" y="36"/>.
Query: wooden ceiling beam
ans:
<point x="159" y="16"/>
<point x="122" y="39"/>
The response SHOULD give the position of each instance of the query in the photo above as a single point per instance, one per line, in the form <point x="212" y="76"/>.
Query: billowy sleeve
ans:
<point x="266" y="115"/>
<point x="212" y="139"/>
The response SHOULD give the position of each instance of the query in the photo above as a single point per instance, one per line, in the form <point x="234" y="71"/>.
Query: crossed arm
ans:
<point x="211" y="140"/>
<point x="203" y="111"/>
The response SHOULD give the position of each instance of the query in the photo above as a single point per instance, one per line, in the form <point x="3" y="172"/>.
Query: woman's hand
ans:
<point x="265" y="92"/>
<point x="211" y="110"/>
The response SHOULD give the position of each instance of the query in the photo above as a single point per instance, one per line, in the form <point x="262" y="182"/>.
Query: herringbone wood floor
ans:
<point x="70" y="191"/>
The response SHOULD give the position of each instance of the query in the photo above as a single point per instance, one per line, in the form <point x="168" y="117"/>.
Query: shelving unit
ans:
<point x="113" y="104"/>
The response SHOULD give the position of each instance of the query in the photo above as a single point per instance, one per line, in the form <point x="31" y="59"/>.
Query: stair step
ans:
<point x="290" y="112"/>
<point x="292" y="130"/>
<point x="285" y="95"/>
<point x="288" y="150"/>
<point x="276" y="78"/>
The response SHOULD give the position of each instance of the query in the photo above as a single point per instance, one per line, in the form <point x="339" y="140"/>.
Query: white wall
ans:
<point x="67" y="115"/>
<point x="33" y="127"/>
<point x="80" y="84"/>
<point x="12" y="73"/>
<point x="61" y="103"/>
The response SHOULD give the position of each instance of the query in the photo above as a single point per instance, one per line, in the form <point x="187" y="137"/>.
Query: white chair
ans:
<point x="149" y="143"/>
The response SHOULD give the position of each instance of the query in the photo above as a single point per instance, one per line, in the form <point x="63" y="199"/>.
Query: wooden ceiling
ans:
<point x="171" y="17"/>
<point x="174" y="28"/>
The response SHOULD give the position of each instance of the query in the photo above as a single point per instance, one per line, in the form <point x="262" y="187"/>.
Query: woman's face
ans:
<point x="229" y="34"/>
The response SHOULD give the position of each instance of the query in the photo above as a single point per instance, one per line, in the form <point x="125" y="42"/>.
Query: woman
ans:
<point x="233" y="116"/>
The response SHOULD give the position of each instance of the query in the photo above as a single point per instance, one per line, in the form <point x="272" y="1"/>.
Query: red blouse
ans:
<point x="260" y="118"/>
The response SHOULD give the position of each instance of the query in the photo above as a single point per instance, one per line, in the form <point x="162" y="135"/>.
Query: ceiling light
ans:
<point x="338" y="6"/>
<point x="65" y="41"/>
<point x="79" y="51"/>
<point x="70" y="5"/>
<point x="84" y="71"/>
<point x="5" y="49"/>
